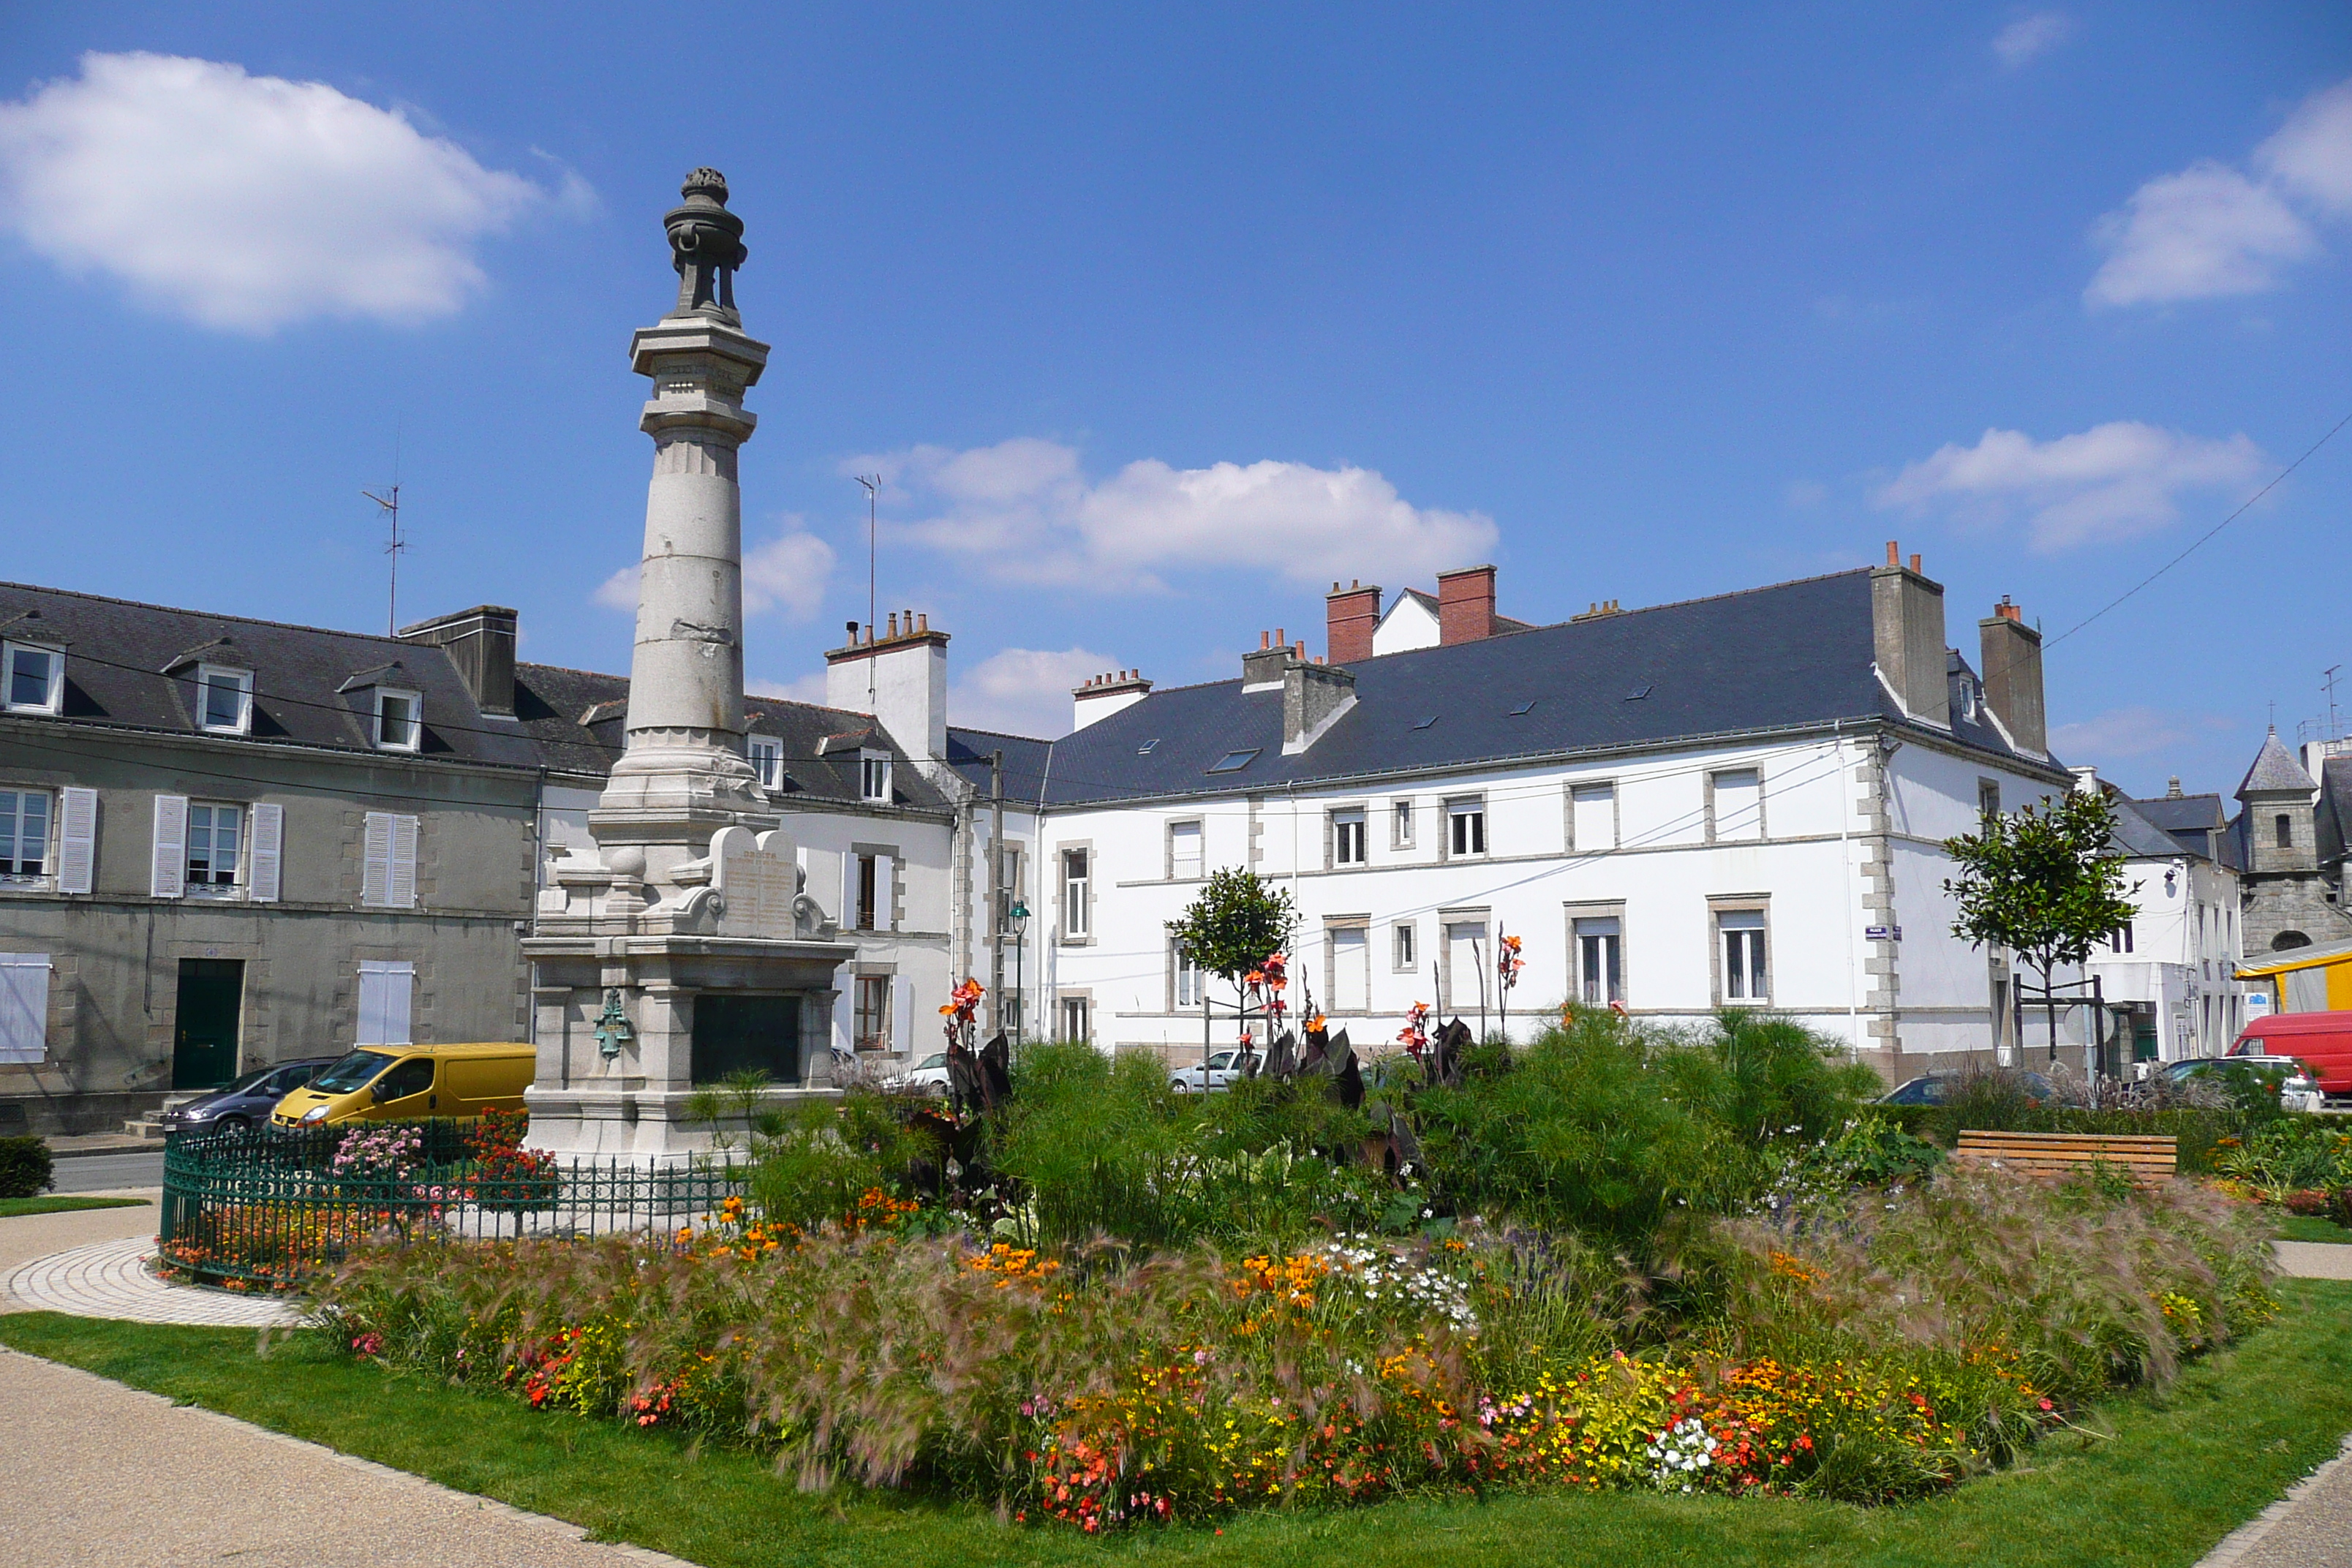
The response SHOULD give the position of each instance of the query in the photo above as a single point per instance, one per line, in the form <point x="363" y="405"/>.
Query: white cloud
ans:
<point x="2214" y="230"/>
<point x="2110" y="482"/>
<point x="789" y="574"/>
<point x="801" y="689"/>
<point x="249" y="203"/>
<point x="2137" y="732"/>
<point x="1024" y="691"/>
<point x="2029" y="37"/>
<point x="1024" y="510"/>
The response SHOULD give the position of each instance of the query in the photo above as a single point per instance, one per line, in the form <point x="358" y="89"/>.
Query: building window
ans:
<point x="1600" y="959"/>
<point x="1465" y="826"/>
<point x="2120" y="938"/>
<point x="1184" y="977"/>
<point x="1407" y="959"/>
<point x="224" y="701"/>
<point x="2282" y="826"/>
<point x="24" y="833"/>
<point x="37" y="679"/>
<point x="1592" y="810"/>
<point x="215" y="838"/>
<point x="869" y="889"/>
<point x="1351" y="968"/>
<point x="1401" y="826"/>
<point x="873" y="779"/>
<point x="1743" y="974"/>
<point x="1988" y="798"/>
<point x="1077" y="1021"/>
<point x="767" y="758"/>
<point x="1008" y="887"/>
<point x="1738" y="805"/>
<point x="1184" y="850"/>
<point x="873" y="1012"/>
<point x="398" y="719"/>
<point x="1348" y="847"/>
<point x="1078" y="912"/>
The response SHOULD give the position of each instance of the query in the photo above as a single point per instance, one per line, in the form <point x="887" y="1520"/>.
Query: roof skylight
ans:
<point x="1234" y="762"/>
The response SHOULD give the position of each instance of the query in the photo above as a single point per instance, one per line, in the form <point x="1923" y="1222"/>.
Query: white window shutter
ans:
<point x="24" y="1006"/>
<point x="883" y="867"/>
<point x="269" y="852"/>
<point x="902" y="1012"/>
<point x="375" y="858"/>
<point x="402" y="890"/>
<point x="77" y="838"/>
<point x="168" y="876"/>
<point x="384" y="991"/>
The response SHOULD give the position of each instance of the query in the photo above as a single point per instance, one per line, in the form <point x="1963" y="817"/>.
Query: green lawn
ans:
<point x="2311" y="1227"/>
<point x="2178" y="1470"/>
<point x="55" y="1205"/>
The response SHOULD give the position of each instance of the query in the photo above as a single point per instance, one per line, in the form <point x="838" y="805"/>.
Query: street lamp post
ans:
<point x="1018" y="918"/>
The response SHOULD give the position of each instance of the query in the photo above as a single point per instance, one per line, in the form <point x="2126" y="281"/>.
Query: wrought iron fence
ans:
<point x="265" y="1208"/>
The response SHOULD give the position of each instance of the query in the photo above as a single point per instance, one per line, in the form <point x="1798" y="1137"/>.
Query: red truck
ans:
<point x="2321" y="1041"/>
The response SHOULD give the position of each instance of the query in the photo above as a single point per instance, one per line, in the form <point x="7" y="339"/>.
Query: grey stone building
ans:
<point x="227" y="842"/>
<point x="2291" y="893"/>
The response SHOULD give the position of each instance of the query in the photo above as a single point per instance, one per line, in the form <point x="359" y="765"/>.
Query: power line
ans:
<point x="2201" y="539"/>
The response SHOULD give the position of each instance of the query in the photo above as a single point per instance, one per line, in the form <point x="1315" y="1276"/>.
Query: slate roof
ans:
<point x="1792" y="655"/>
<point x="2335" y="808"/>
<point x="2275" y="769"/>
<point x="1025" y="760"/>
<point x="551" y="703"/>
<point x="2138" y="836"/>
<point x="303" y="688"/>
<point x="2196" y="822"/>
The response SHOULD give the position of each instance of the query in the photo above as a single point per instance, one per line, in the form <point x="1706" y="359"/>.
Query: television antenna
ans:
<point x="389" y="500"/>
<point x="873" y="483"/>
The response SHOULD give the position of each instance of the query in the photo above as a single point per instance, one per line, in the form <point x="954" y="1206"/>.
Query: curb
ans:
<point x="2242" y="1541"/>
<point x="86" y="1154"/>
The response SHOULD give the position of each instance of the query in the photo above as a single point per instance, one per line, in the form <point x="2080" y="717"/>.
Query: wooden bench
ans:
<point x="2148" y="1160"/>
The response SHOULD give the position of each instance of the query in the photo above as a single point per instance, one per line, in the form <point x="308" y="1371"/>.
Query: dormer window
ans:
<point x="224" y="701"/>
<point x="35" y="679"/>
<point x="399" y="720"/>
<point x="873" y="777"/>
<point x="766" y="754"/>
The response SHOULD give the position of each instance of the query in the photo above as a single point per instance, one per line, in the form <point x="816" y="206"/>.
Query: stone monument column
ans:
<point x="687" y="948"/>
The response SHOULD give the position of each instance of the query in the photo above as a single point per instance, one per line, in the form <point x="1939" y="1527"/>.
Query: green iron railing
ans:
<point x="266" y="1208"/>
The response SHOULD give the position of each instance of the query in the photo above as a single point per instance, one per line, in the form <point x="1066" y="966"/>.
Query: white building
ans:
<point x="1731" y="801"/>
<point x="2170" y="973"/>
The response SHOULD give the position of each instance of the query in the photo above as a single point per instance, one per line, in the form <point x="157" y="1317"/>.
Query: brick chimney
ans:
<point x="1466" y="605"/>
<point x="1351" y="614"/>
<point x="1906" y="617"/>
<point x="1103" y="695"/>
<point x="2012" y="676"/>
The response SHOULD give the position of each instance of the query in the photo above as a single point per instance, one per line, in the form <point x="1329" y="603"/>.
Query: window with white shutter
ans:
<point x="384" y="992"/>
<point x="168" y="873"/>
<point x="885" y="868"/>
<point x="24" y="1006"/>
<point x="388" y="879"/>
<point x="76" y="840"/>
<point x="268" y="850"/>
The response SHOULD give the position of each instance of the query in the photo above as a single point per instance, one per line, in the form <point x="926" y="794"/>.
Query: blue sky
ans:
<point x="1158" y="319"/>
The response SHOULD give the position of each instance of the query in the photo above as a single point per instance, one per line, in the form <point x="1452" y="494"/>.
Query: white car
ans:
<point x="928" y="1076"/>
<point x="1223" y="1067"/>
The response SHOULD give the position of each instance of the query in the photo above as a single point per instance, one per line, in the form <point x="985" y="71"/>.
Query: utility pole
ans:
<point x="390" y="501"/>
<point x="873" y="483"/>
<point x="996" y="902"/>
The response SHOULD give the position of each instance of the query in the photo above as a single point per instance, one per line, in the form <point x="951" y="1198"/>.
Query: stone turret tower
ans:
<point x="2284" y="891"/>
<point x="686" y="948"/>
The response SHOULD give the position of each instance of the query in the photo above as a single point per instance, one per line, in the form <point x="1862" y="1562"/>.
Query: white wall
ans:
<point x="914" y="950"/>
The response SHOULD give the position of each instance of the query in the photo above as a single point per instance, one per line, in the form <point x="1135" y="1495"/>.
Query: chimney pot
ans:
<point x="1264" y="640"/>
<point x="1915" y="563"/>
<point x="1893" y="553"/>
<point x="1282" y="636"/>
<point x="923" y="622"/>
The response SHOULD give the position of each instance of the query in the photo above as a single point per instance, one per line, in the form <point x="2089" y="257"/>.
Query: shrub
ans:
<point x="26" y="1167"/>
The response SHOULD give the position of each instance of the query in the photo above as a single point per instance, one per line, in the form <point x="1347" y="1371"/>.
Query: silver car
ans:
<point x="928" y="1076"/>
<point x="1223" y="1067"/>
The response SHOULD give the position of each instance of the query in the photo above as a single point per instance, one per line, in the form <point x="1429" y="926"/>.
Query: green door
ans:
<point x="204" y="1041"/>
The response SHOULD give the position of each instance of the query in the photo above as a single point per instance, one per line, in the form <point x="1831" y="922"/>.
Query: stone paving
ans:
<point x="111" y="1280"/>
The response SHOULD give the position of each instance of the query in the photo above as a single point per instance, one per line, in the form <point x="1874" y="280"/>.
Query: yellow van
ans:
<point x="410" y="1083"/>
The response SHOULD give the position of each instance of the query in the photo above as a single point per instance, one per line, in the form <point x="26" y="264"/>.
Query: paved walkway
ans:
<point x="2311" y="1527"/>
<point x="2315" y="1259"/>
<point x="126" y="1480"/>
<point x="111" y="1280"/>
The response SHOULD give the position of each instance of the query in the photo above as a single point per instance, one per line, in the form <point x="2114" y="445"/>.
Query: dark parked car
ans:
<point x="1932" y="1088"/>
<point x="248" y="1101"/>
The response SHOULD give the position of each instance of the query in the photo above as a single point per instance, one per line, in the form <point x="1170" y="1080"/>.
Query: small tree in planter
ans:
<point x="1232" y="928"/>
<point x="2045" y="884"/>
